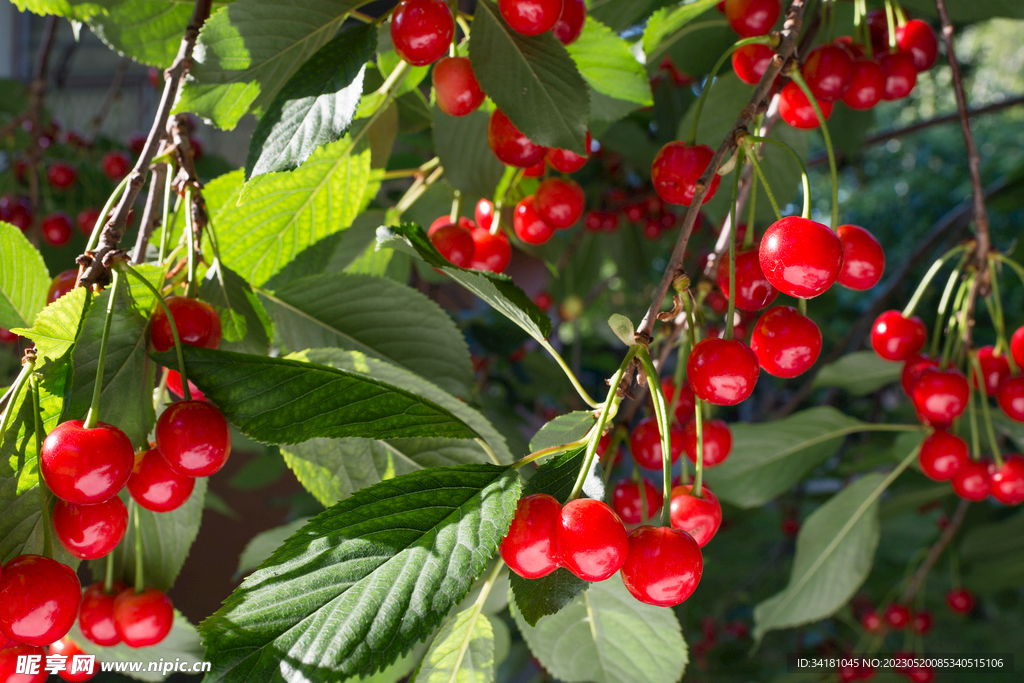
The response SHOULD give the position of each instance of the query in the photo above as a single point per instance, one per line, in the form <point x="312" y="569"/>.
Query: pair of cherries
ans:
<point x="898" y="617"/>
<point x="945" y="457"/>
<point x="513" y="148"/>
<point x="556" y="205"/>
<point x="469" y="244"/>
<point x="533" y="17"/>
<point x="645" y="442"/>
<point x="125" y="616"/>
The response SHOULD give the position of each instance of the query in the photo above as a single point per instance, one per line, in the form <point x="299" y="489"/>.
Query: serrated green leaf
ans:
<point x="563" y="429"/>
<point x="24" y="279"/>
<point x="461" y="144"/>
<point x="536" y="598"/>
<point x="622" y="15"/>
<point x="262" y="545"/>
<point x="245" y="325"/>
<point x="356" y="252"/>
<point x="668" y="20"/>
<point x="608" y="66"/>
<point x="462" y="651"/>
<point x="859" y="373"/>
<point x="364" y="581"/>
<point x="148" y="31"/>
<point x="72" y="9"/>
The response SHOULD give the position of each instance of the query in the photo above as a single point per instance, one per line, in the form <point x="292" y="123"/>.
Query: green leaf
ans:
<point x="220" y="194"/>
<point x="860" y="373"/>
<point x="249" y="49"/>
<point x="315" y="107"/>
<point x="279" y="401"/>
<point x="563" y="429"/>
<point x="834" y="553"/>
<point x="607" y="64"/>
<point x="623" y="328"/>
<point x="364" y="581"/>
<point x="964" y="11"/>
<point x="993" y="555"/>
<point x="262" y="545"/>
<point x="357" y="251"/>
<point x="462" y="651"/>
<point x="605" y="635"/>
<point x="245" y="325"/>
<point x="622" y="15"/>
<point x="24" y="279"/>
<point x="668" y="20"/>
<point x="148" y="31"/>
<point x="768" y="458"/>
<point x="536" y="598"/>
<point x="461" y="144"/>
<point x="72" y="9"/>
<point x="532" y="79"/>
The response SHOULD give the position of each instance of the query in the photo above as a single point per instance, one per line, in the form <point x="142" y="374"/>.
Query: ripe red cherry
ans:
<point x="61" y="175"/>
<point x="529" y="546"/>
<point x="509" y="145"/>
<point x="530" y="17"/>
<point x="193" y="437"/>
<point x="155" y="486"/>
<point x="828" y="71"/>
<point x="921" y="674"/>
<point x="570" y="22"/>
<point x="786" y="343"/>
<point x="57" y="229"/>
<point x="750" y="62"/>
<point x="663" y="567"/>
<point x="142" y="619"/>
<point x="895" y="337"/>
<point x="863" y="258"/>
<point x="645" y="443"/>
<point x="422" y="30"/>
<point x="17" y="211"/>
<point x="86" y="220"/>
<point x="800" y="257"/>
<point x="96" y="617"/>
<point x="535" y="171"/>
<point x="490" y="252"/>
<point x="912" y="370"/>
<point x="922" y="622"/>
<point x="86" y="466"/>
<point x="722" y="372"/>
<point x="871" y="622"/>
<point x="90" y="531"/>
<point x="564" y="161"/>
<point x="458" y="92"/>
<point x="115" y="165"/>
<point x="753" y="290"/>
<point x="878" y="25"/>
<point x="455" y="243"/>
<point x="796" y="110"/>
<point x="62" y="284"/>
<point x="484" y="214"/>
<point x="973" y="481"/>
<point x="717" y="441"/>
<point x="918" y="38"/>
<point x="994" y="369"/>
<point x="685" y="404"/>
<point x="676" y="169"/>
<point x="1011" y="398"/>
<point x="897" y="616"/>
<point x="559" y="203"/>
<point x="940" y="396"/>
<point x="197" y="322"/>
<point x="751" y="18"/>
<point x="627" y="502"/>
<point x="699" y="517"/>
<point x="1017" y="347"/>
<point x="866" y="85"/>
<point x="174" y="386"/>
<point x="591" y="539"/>
<point x="1008" y="480"/>
<point x="40" y="600"/>
<point x="9" y="664"/>
<point x="443" y="221"/>
<point x="528" y="225"/>
<point x="137" y="142"/>
<point x="900" y="75"/>
<point x="942" y="455"/>
<point x="65" y="647"/>
<point x="960" y="600"/>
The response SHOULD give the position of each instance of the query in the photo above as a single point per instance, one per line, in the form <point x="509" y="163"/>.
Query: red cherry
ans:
<point x="529" y="546"/>
<point x="663" y="567"/>
<point x="863" y="258"/>
<point x="528" y="225"/>
<point x="444" y="221"/>
<point x="197" y="149"/>
<point x="973" y="481"/>
<point x="717" y="442"/>
<point x="750" y="62"/>
<point x="676" y="169"/>
<point x="607" y="459"/>
<point x="544" y="301"/>
<point x="635" y="212"/>
<point x="86" y="220"/>
<point x="564" y="161"/>
<point x="535" y="171"/>
<point x="912" y="370"/>
<point x="871" y="622"/>
<point x="994" y="369"/>
<point x="9" y="657"/>
<point x="753" y="290"/>
<point x="960" y="600"/>
<point x="115" y="165"/>
<point x="918" y="38"/>
<point x="143" y="619"/>
<point x="40" y="600"/>
<point x="509" y="145"/>
<point x="1017" y="347"/>
<point x="751" y="18"/>
<point x="940" y="396"/>
<point x="96" y="617"/>
<point x="559" y="203"/>
<point x="57" y="228"/>
<point x="570" y="22"/>
<point x="422" y="30"/>
<point x="592" y="542"/>
<point x="61" y="176"/>
<point x="155" y="486"/>
<point x="866" y="85"/>
<point x="796" y="110"/>
<point x="86" y="466"/>
<point x="786" y="343"/>
<point x="484" y="214"/>
<point x="800" y="257"/>
<point x="1011" y="398"/>
<point x="455" y="244"/>
<point x="530" y="17"/>
<point x="62" y="284"/>
<point x="174" y="386"/>
<point x="942" y="455"/>
<point x="154" y="77"/>
<point x="722" y="372"/>
<point x="137" y="142"/>
<point x="685" y="404"/>
<point x="490" y="252"/>
<point x="790" y="527"/>
<point x="69" y="649"/>
<point x="922" y="622"/>
<point x="1008" y="480"/>
<point x="458" y="92"/>
<point x="897" y="616"/>
<point x="828" y="70"/>
<point x="699" y="517"/>
<point x="8" y="337"/>
<point x="896" y="338"/>
<point x="90" y="531"/>
<point x="878" y="25"/>
<point x="921" y="674"/>
<point x="197" y="322"/>
<point x="645" y="443"/>
<point x="627" y="502"/>
<point x="193" y="437"/>
<point x="900" y="75"/>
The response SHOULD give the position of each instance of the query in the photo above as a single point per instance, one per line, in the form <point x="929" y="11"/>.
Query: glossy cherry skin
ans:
<point x="863" y="258"/>
<point x="828" y="70"/>
<point x="1017" y="347"/>
<point x="155" y="486"/>
<point x="676" y="169"/>
<point x="591" y="539"/>
<point x="751" y="18"/>
<point x="626" y="501"/>
<point x="570" y="22"/>
<point x="900" y="75"/>
<point x="866" y="85"/>
<point x="86" y="466"/>
<point x="40" y="600"/>
<point x="897" y="616"/>
<point x="68" y="648"/>
<point x="1011" y="398"/>
<point x="960" y="600"/>
<point x="753" y="290"/>
<point x="717" y="441"/>
<point x="483" y="214"/>
<point x="9" y="664"/>
<point x="973" y="481"/>
<point x="96" y="616"/>
<point x="528" y="225"/>
<point x="193" y="437"/>
<point x="490" y="251"/>
<point x="115" y="165"/>
<point x="796" y="110"/>
<point x="994" y="369"/>
<point x="422" y="30"/>
<point x="529" y="546"/>
<point x="699" y="517"/>
<point x="509" y="145"/>
<point x="912" y="370"/>
<point x="942" y="455"/>
<point x="785" y="342"/>
<point x="800" y="257"/>
<point x="457" y="90"/>
<point x="750" y="62"/>
<point x="896" y="338"/>
<point x="918" y="38"/>
<point x="940" y="396"/>
<point x="559" y="203"/>
<point x="645" y="443"/>
<point x="175" y="387"/>
<point x="663" y="567"/>
<point x="530" y="17"/>
<point x="455" y="243"/>
<point x="56" y="228"/>
<point x="565" y="161"/>
<point x="60" y="175"/>
<point x="197" y="322"/>
<point x="1008" y="480"/>
<point x="142" y="619"/>
<point x="686" y="402"/>
<point x="62" y="284"/>
<point x="90" y="531"/>
<point x="922" y="622"/>
<point x="871" y="622"/>
<point x="86" y="220"/>
<point x="722" y="372"/>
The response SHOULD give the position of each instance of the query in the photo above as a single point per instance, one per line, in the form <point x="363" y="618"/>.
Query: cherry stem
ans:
<point x="954" y="323"/>
<point x="986" y="414"/>
<point x="168" y="218"/>
<point x="732" y="248"/>
<point x="463" y="24"/>
<point x="806" y="212"/>
<point x="767" y="188"/>
<point x="947" y="294"/>
<point x="890" y="19"/>
<point x="698" y="476"/>
<point x="661" y="415"/>
<point x="677" y="381"/>
<point x="908" y="310"/>
<point x="12" y="396"/>
<point x="757" y="40"/>
<point x="798" y="78"/>
<point x="140" y="580"/>
<point x="37" y="421"/>
<point x="618" y="436"/>
<point x="972" y="413"/>
<point x="997" y="303"/>
<point x="93" y="416"/>
<point x="190" y="238"/>
<point x="1017" y="268"/>
<point x="748" y="237"/>
<point x="544" y="452"/>
<point x="801" y="306"/>
<point x="570" y="374"/>
<point x="108" y="577"/>
<point x="94" y="238"/>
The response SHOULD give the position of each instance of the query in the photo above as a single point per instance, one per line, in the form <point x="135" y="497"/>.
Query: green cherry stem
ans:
<point x="798" y="78"/>
<point x="748" y="237"/>
<point x="890" y="19"/>
<point x="732" y="246"/>
<point x="165" y="231"/>
<point x="190" y="238"/>
<point x="661" y="415"/>
<point x="804" y="178"/>
<point x="986" y="414"/>
<point x="767" y="188"/>
<point x="908" y="310"/>
<point x="12" y="396"/>
<point x="93" y="416"/>
<point x="94" y="238"/>
<point x="698" y="472"/>
<point x="108" y="575"/>
<point x="140" y="579"/>
<point x="545" y="452"/>
<point x="1016" y="267"/>
<point x="947" y="295"/>
<point x="972" y="414"/>
<point x="37" y="423"/>
<point x="953" y="325"/>
<point x="570" y="374"/>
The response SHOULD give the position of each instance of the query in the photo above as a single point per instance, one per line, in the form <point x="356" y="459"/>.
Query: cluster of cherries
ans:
<point x="469" y="243"/>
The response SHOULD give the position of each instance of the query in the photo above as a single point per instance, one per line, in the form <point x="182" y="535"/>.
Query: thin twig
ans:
<point x="113" y="94"/>
<point x="152" y="214"/>
<point x="936" y="550"/>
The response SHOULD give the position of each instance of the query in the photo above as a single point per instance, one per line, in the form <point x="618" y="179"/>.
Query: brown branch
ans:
<point x="113" y="94"/>
<point x="152" y="214"/>
<point x="936" y="551"/>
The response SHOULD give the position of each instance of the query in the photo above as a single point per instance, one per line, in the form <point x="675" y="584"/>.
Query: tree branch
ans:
<point x="936" y="551"/>
<point x="152" y="215"/>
